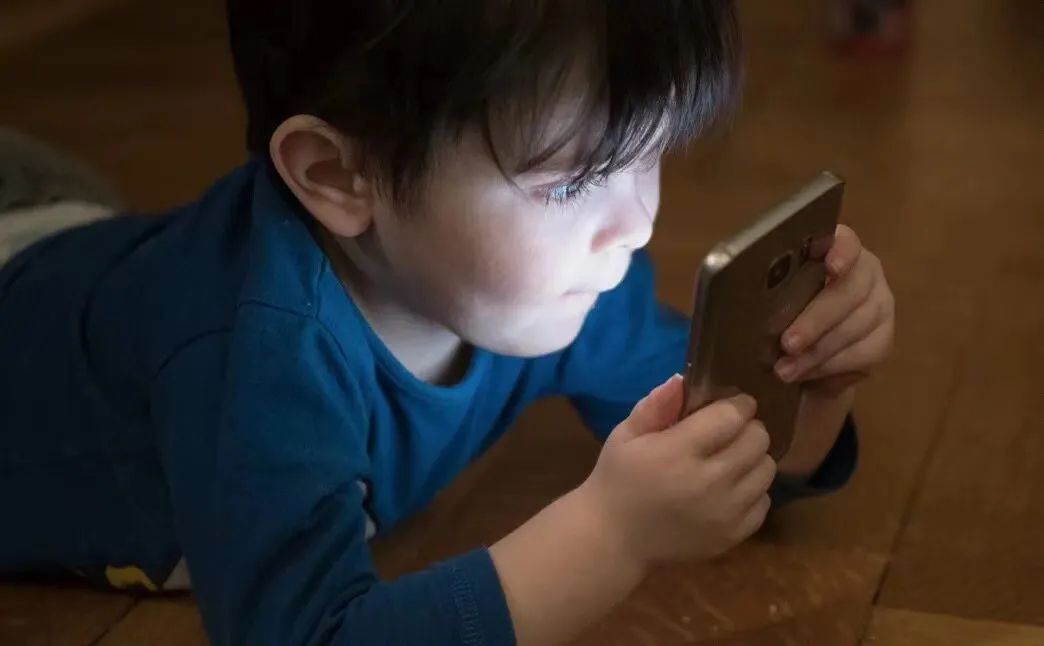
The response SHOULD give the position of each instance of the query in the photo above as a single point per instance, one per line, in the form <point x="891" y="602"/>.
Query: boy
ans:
<point x="441" y="222"/>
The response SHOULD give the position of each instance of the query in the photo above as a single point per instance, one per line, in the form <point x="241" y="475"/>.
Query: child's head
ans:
<point x="492" y="163"/>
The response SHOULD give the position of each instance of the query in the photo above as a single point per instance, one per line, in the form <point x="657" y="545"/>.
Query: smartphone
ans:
<point x="749" y="289"/>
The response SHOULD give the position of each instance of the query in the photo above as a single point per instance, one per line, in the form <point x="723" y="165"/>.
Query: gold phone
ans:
<point x="750" y="288"/>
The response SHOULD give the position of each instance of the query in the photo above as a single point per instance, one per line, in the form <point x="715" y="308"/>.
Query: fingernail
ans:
<point x="670" y="380"/>
<point x="661" y="387"/>
<point x="792" y="341"/>
<point x="786" y="369"/>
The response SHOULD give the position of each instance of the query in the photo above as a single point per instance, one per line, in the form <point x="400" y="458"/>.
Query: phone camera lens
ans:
<point x="778" y="271"/>
<point x="806" y="250"/>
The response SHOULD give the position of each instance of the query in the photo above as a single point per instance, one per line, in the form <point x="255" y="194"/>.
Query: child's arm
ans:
<point x="660" y="491"/>
<point x="563" y="570"/>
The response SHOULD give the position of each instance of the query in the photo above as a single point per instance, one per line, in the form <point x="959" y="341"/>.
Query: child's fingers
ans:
<point x="754" y="482"/>
<point x="858" y="357"/>
<point x="851" y="330"/>
<point x="827" y="309"/>
<point x="745" y="453"/>
<point x="754" y="517"/>
<point x="659" y="409"/>
<point x="714" y="426"/>
<point x="844" y="253"/>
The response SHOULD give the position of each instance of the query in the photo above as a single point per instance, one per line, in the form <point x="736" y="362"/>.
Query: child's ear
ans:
<point x="325" y="173"/>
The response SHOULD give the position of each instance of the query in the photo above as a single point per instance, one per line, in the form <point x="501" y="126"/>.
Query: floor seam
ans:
<point x="924" y="466"/>
<point x="112" y="625"/>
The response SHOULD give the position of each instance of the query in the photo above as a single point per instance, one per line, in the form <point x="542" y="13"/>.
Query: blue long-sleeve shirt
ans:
<point x="200" y="386"/>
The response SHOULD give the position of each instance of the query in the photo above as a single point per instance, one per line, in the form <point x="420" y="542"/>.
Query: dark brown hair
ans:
<point x="400" y="76"/>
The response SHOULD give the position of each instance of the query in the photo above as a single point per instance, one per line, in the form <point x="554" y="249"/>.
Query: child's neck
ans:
<point x="431" y="352"/>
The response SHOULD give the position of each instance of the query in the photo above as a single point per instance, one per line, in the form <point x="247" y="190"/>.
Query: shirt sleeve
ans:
<point x="262" y="434"/>
<point x="632" y="343"/>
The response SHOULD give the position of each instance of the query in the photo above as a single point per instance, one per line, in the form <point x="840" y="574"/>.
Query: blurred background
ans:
<point x="933" y="110"/>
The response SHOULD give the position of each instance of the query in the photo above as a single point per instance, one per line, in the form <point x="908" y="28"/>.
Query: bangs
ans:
<point x="611" y="83"/>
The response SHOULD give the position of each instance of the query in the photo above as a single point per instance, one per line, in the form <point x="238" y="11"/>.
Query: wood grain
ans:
<point x="33" y="615"/>
<point x="158" y="622"/>
<point x="973" y="545"/>
<point x="890" y="627"/>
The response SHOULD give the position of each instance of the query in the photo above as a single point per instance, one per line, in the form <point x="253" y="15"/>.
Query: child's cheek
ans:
<point x="518" y="277"/>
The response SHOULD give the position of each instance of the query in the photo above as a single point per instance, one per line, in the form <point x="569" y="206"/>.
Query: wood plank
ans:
<point x="32" y="615"/>
<point x="891" y="627"/>
<point x="973" y="543"/>
<point x="159" y="622"/>
<point x="759" y="593"/>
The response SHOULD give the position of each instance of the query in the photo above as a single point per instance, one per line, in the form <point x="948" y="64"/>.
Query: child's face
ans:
<point x="512" y="269"/>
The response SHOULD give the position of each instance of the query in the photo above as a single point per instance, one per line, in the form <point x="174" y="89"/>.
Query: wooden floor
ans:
<point x="939" y="539"/>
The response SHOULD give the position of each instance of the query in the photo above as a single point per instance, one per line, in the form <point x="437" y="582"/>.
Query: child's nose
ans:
<point x="628" y="226"/>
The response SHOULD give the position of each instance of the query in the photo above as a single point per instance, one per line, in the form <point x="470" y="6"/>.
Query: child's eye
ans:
<point x="565" y="193"/>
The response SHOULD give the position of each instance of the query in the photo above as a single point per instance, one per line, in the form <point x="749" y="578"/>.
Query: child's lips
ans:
<point x="602" y="286"/>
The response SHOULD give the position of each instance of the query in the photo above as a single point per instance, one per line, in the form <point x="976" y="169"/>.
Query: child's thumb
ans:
<point x="659" y="410"/>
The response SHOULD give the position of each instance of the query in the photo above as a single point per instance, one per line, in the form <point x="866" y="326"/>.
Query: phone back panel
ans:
<point x="750" y="288"/>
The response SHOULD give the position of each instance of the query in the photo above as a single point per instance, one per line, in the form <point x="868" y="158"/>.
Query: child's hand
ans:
<point x="848" y="328"/>
<point x="694" y="488"/>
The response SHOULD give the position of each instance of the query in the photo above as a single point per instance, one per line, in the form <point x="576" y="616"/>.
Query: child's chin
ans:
<point x="551" y="331"/>
<point x="538" y="344"/>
